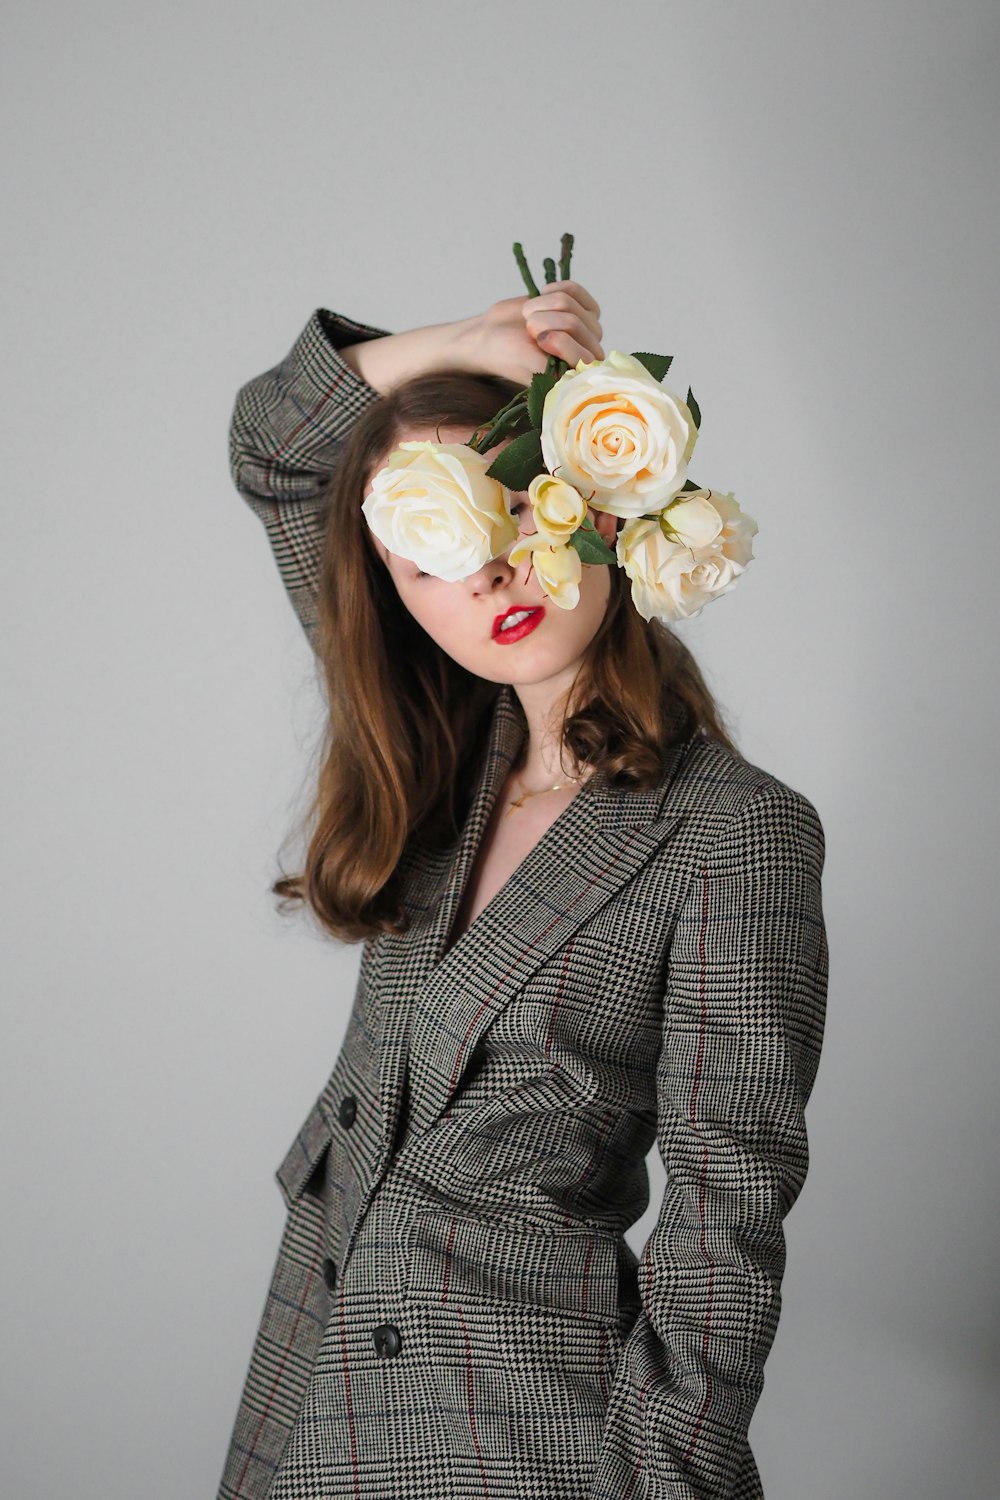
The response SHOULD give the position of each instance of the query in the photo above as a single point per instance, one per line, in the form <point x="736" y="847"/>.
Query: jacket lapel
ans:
<point x="436" y="999"/>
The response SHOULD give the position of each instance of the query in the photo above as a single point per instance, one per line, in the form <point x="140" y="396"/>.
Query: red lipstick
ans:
<point x="533" y="613"/>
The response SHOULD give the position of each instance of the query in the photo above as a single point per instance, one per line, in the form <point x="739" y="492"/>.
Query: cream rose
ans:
<point x="433" y="504"/>
<point x="558" y="508"/>
<point x="673" y="580"/>
<point x="559" y="568"/>
<point x="610" y="429"/>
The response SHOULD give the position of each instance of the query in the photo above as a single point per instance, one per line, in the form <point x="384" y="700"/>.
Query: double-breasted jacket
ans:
<point x="454" y="1311"/>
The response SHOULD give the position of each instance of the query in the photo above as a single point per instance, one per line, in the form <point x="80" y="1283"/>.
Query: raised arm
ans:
<point x="289" y="423"/>
<point x="286" y="431"/>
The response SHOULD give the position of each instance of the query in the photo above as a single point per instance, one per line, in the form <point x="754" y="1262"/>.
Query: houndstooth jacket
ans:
<point x="454" y="1312"/>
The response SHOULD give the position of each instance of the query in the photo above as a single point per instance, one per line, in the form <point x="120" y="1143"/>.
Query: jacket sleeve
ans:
<point x="287" y="428"/>
<point x="743" y="1021"/>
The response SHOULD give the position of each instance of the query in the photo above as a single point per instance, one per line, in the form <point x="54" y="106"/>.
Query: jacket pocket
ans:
<point x="520" y="1330"/>
<point x="459" y="1257"/>
<point x="302" y="1168"/>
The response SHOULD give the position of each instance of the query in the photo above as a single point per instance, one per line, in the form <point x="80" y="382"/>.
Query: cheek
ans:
<point x="431" y="610"/>
<point x="595" y="588"/>
<point x="438" y="621"/>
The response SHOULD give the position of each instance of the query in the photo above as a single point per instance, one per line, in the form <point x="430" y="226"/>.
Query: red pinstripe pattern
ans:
<point x="268" y="458"/>
<point x="704" y="1167"/>
<point x="471" y="1405"/>
<point x="286" y="535"/>
<point x="274" y="1384"/>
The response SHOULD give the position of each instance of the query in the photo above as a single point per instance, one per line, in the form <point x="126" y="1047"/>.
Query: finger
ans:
<point x="577" y="291"/>
<point x="561" y="301"/>
<point x="574" y="327"/>
<point x="564" y="346"/>
<point x="538" y="310"/>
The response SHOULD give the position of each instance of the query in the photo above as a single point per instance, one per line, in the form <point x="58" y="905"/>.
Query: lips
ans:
<point x="533" y="614"/>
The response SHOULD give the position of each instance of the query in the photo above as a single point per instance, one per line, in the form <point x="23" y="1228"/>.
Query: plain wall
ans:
<point x="799" y="203"/>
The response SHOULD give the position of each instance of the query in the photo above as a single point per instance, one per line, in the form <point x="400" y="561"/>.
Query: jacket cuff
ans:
<point x="341" y="330"/>
<point x="315" y="364"/>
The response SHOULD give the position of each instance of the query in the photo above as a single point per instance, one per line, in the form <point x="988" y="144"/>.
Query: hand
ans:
<point x="515" y="336"/>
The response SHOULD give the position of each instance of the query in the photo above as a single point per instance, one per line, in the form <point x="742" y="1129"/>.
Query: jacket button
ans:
<point x="387" y="1340"/>
<point x="348" y="1109"/>
<point x="330" y="1273"/>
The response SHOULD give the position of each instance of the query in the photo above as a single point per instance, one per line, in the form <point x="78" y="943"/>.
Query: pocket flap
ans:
<point x="304" y="1155"/>
<point x="455" y="1255"/>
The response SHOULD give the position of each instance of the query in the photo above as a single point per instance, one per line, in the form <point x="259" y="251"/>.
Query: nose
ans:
<point x="492" y="575"/>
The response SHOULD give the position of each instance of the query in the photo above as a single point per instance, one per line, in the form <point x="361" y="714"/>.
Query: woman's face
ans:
<point x="462" y="617"/>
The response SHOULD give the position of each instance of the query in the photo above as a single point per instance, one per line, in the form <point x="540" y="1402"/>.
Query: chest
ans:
<point x="508" y="840"/>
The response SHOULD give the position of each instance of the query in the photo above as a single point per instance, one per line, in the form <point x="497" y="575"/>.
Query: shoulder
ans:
<point x="724" y="798"/>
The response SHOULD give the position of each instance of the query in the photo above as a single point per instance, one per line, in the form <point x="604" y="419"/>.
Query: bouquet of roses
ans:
<point x="604" y="434"/>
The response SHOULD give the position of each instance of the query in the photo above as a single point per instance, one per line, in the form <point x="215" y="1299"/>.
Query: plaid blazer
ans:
<point x="454" y="1312"/>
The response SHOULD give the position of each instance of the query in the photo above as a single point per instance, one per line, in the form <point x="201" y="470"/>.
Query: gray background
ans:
<point x="796" y="201"/>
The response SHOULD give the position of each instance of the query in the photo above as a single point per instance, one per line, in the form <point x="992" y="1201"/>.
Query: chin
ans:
<point x="525" y="673"/>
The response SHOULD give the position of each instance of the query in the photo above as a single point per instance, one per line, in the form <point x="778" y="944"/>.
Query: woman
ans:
<point x="588" y="923"/>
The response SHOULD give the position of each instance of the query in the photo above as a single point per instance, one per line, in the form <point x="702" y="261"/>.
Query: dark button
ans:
<point x="330" y="1273"/>
<point x="387" y="1340"/>
<point x="348" y="1109"/>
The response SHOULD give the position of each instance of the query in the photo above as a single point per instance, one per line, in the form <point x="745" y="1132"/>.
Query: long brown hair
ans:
<point x="407" y="725"/>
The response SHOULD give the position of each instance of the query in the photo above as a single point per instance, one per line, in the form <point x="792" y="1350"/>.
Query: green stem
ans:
<point x="514" y="400"/>
<point x="499" y="430"/>
<point x="549" y="266"/>
<point x="522" y="266"/>
<point x="566" y="251"/>
<point x="485" y="435"/>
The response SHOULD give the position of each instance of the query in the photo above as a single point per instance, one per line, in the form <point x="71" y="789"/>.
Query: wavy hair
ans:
<point x="407" y="725"/>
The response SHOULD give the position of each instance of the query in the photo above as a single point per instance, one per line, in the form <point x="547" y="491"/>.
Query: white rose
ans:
<point x="610" y="429"/>
<point x="672" y="580"/>
<point x="433" y="504"/>
<point x="559" y="568"/>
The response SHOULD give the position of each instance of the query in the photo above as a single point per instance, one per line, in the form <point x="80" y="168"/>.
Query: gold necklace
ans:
<point x="518" y="801"/>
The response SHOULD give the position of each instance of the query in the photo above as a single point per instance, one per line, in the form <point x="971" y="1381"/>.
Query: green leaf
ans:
<point x="689" y="484"/>
<point x="656" y="364"/>
<point x="591" y="545"/>
<point x="519" y="462"/>
<point x="695" y="408"/>
<point x="541" y="383"/>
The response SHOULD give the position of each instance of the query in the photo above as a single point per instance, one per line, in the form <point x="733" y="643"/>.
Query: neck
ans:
<point x="544" y="759"/>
